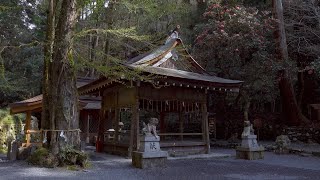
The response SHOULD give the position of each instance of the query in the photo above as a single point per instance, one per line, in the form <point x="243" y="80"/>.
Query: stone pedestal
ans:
<point x="249" y="148"/>
<point x="12" y="150"/>
<point x="23" y="153"/>
<point x="149" y="154"/>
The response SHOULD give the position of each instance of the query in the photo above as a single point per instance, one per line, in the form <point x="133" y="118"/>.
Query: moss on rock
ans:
<point x="42" y="157"/>
<point x="71" y="156"/>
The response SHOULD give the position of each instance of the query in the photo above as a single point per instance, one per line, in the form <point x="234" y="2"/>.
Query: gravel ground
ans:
<point x="284" y="167"/>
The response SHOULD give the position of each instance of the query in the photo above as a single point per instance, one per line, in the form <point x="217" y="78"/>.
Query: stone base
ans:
<point x="281" y="151"/>
<point x="250" y="153"/>
<point x="149" y="160"/>
<point x="24" y="152"/>
<point x="12" y="150"/>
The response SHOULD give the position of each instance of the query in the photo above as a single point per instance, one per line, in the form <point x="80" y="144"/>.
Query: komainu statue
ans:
<point x="151" y="127"/>
<point x="248" y="129"/>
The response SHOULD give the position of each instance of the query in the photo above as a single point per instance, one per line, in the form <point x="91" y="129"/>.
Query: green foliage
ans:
<point x="10" y="127"/>
<point x="43" y="158"/>
<point x="302" y="31"/>
<point x="236" y="42"/>
<point x="129" y="33"/>
<point x="20" y="58"/>
<point x="71" y="156"/>
<point x="38" y="156"/>
<point x="108" y="35"/>
<point x="24" y="80"/>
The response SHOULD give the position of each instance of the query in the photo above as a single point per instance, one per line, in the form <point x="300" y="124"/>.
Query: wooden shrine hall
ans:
<point x="176" y="95"/>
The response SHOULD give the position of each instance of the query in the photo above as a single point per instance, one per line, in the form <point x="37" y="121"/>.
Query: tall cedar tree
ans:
<point x="60" y="108"/>
<point x="291" y="110"/>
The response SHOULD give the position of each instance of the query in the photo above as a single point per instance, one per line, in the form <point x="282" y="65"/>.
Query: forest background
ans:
<point x="236" y="39"/>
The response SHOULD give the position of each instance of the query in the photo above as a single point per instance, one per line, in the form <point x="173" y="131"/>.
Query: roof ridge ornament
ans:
<point x="174" y="34"/>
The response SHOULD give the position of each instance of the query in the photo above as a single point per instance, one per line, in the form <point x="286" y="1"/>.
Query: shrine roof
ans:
<point x="188" y="75"/>
<point x="171" y="55"/>
<point x="172" y="61"/>
<point x="35" y="103"/>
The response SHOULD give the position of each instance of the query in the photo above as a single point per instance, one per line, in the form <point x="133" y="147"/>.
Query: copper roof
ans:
<point x="171" y="55"/>
<point x="27" y="101"/>
<point x="36" y="102"/>
<point x="188" y="75"/>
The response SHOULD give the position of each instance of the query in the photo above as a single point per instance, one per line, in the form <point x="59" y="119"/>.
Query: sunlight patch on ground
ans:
<point x="45" y="172"/>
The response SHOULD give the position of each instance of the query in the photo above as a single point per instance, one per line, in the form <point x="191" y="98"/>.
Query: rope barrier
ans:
<point x="58" y="130"/>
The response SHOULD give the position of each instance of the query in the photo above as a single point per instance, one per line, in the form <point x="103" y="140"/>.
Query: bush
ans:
<point x="10" y="127"/>
<point x="42" y="157"/>
<point x="71" y="156"/>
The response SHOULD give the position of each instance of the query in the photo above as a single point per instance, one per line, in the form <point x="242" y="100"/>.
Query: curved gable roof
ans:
<point x="157" y="57"/>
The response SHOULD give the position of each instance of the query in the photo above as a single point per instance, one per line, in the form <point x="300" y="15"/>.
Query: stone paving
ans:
<point x="282" y="167"/>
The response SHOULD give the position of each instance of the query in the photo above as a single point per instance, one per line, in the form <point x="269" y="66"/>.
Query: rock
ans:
<point x="305" y="154"/>
<point x="316" y="154"/>
<point x="294" y="139"/>
<point x="12" y="150"/>
<point x="33" y="148"/>
<point x="23" y="153"/>
<point x="283" y="141"/>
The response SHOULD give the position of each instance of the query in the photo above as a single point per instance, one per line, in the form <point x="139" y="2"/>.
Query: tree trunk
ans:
<point x="247" y="104"/>
<point x="48" y="51"/>
<point x="109" y="24"/>
<point x="290" y="106"/>
<point x="301" y="87"/>
<point x="246" y="110"/>
<point x="94" y="45"/>
<point x="62" y="96"/>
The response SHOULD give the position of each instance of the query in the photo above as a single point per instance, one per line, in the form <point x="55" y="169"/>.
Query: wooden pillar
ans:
<point x="87" y="127"/>
<point x="205" y="127"/>
<point x="162" y="123"/>
<point x="181" y="121"/>
<point x="134" y="134"/>
<point x="103" y="116"/>
<point x="137" y="130"/>
<point x="116" y="123"/>
<point x="28" y="126"/>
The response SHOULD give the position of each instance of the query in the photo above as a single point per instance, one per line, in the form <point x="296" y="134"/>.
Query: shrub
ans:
<point x="42" y="157"/>
<point x="71" y="156"/>
<point x="10" y="127"/>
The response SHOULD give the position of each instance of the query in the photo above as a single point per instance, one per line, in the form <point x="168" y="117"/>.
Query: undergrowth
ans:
<point x="10" y="128"/>
<point x="68" y="157"/>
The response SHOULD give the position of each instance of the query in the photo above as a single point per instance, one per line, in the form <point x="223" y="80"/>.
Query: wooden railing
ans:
<point x="180" y="134"/>
<point x="29" y="132"/>
<point x="28" y="138"/>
